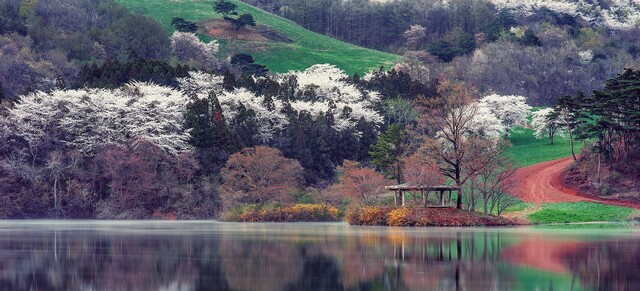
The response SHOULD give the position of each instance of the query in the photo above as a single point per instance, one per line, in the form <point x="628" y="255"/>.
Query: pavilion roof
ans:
<point x="409" y="186"/>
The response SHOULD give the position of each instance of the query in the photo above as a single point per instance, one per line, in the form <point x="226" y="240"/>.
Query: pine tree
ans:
<point x="387" y="152"/>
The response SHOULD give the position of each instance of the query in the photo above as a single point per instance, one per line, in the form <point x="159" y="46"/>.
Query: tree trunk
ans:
<point x="571" y="143"/>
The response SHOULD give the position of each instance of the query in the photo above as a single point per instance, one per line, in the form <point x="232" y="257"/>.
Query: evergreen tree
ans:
<point x="182" y="25"/>
<point x="530" y="38"/>
<point x="387" y="152"/>
<point x="212" y="139"/>
<point x="225" y="8"/>
<point x="244" y="20"/>
<point x="567" y="110"/>
<point x="2" y="96"/>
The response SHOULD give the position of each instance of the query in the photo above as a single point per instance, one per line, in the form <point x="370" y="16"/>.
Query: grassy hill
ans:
<point x="308" y="48"/>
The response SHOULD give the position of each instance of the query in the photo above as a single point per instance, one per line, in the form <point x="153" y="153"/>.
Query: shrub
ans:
<point x="400" y="217"/>
<point x="277" y="213"/>
<point x="369" y="215"/>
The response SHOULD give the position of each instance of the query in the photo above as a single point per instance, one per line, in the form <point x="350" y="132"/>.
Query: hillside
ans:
<point x="307" y="48"/>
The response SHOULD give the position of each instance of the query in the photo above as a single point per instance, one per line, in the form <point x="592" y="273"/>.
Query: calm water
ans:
<point x="47" y="255"/>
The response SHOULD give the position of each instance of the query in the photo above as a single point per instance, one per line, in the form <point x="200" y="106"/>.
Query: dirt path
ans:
<point x="542" y="183"/>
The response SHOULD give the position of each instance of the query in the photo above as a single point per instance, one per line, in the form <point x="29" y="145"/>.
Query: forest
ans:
<point x="102" y="121"/>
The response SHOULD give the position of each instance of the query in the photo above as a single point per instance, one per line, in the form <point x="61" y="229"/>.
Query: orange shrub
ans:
<point x="369" y="215"/>
<point x="290" y="213"/>
<point x="400" y="217"/>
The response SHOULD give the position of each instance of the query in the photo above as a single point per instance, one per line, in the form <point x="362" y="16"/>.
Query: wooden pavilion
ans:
<point x="399" y="190"/>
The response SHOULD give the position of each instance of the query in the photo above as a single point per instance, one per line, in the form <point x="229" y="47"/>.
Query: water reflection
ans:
<point x="216" y="256"/>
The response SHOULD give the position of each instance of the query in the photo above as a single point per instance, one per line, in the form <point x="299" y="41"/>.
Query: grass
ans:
<point x="528" y="150"/>
<point x="579" y="212"/>
<point x="308" y="48"/>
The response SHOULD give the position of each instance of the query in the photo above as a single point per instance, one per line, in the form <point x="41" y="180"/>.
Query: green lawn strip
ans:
<point x="579" y="212"/>
<point x="308" y="48"/>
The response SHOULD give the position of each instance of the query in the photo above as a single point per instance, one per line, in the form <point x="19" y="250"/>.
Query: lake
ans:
<point x="207" y="255"/>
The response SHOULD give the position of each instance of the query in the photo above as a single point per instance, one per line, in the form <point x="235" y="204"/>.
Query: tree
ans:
<point x="323" y="90"/>
<point x="225" y="8"/>
<point x="210" y="135"/>
<point x="360" y="184"/>
<point x="414" y="35"/>
<point x="86" y="119"/>
<point x="461" y="133"/>
<point x="387" y="153"/>
<point x="259" y="175"/>
<point x="450" y="116"/>
<point x="243" y="20"/>
<point x="566" y="110"/>
<point x="530" y="38"/>
<point x="544" y="124"/>
<point x="183" y="26"/>
<point x="421" y="170"/>
<point x="248" y="66"/>
<point x="188" y="48"/>
<point x="493" y="181"/>
<point x="510" y="110"/>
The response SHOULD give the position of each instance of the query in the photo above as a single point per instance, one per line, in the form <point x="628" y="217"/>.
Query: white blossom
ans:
<point x="486" y="124"/>
<point x="84" y="119"/>
<point x="188" y="48"/>
<point x="541" y="124"/>
<point x="345" y="102"/>
<point x="585" y="56"/>
<point x="482" y="123"/>
<point x="269" y="120"/>
<point x="618" y="14"/>
<point x="511" y="110"/>
<point x="201" y="83"/>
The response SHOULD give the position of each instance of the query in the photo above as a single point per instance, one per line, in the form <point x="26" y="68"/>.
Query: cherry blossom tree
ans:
<point x="331" y="94"/>
<point x="414" y="35"/>
<point x="85" y="119"/>
<point x="189" y="49"/>
<point x="270" y="116"/>
<point x="544" y="124"/>
<point x="510" y="110"/>
<point x="617" y="14"/>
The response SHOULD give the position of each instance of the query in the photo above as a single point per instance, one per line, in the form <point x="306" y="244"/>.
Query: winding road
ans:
<point x="542" y="183"/>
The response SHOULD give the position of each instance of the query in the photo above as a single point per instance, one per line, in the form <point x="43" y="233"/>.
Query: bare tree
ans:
<point x="450" y="118"/>
<point x="259" y="175"/>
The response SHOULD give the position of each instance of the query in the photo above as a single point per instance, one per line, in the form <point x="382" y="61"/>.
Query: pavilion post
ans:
<point x="441" y="197"/>
<point x="450" y="202"/>
<point x="424" y="197"/>
<point x="402" y="194"/>
<point x="395" y="198"/>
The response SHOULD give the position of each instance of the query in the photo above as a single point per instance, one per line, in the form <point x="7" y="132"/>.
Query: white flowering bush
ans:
<point x="333" y="95"/>
<point x="511" y="110"/>
<point x="270" y="120"/>
<point x="85" y="119"/>
<point x="188" y="48"/>
<point x="618" y="14"/>
<point x="541" y="123"/>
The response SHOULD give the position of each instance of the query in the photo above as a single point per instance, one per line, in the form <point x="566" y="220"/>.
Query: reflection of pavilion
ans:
<point x="424" y="190"/>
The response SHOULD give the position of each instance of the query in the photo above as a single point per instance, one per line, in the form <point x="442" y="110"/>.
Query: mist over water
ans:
<point x="99" y="255"/>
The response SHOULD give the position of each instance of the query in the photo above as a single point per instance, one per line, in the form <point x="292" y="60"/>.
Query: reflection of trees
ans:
<point x="380" y="260"/>
<point x="268" y="265"/>
<point x="86" y="260"/>
<point x="608" y="265"/>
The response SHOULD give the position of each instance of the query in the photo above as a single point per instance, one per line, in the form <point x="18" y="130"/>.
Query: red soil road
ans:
<point x="542" y="183"/>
